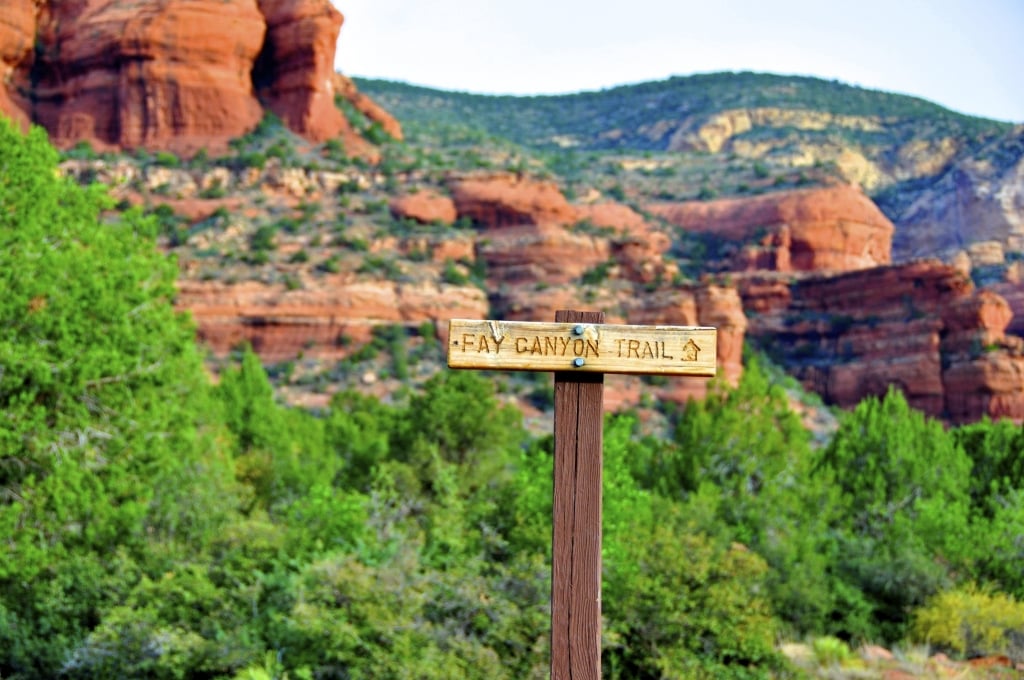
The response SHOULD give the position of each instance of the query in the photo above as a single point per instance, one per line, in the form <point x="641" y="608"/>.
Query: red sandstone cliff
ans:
<point x="173" y="74"/>
<point x="809" y="230"/>
<point x="921" y="327"/>
<point x="319" y="322"/>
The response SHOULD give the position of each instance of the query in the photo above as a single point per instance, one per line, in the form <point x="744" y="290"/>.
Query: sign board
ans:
<point x="584" y="347"/>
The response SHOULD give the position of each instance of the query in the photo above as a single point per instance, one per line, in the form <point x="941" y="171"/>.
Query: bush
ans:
<point x="263" y="238"/>
<point x="972" y="622"/>
<point x="166" y="159"/>
<point x="902" y="527"/>
<point x="830" y="651"/>
<point x="453" y="275"/>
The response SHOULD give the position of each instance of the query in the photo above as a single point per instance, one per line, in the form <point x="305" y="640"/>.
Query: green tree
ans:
<point x="740" y="462"/>
<point x="107" y="435"/>
<point x="458" y="417"/>
<point x="904" y="503"/>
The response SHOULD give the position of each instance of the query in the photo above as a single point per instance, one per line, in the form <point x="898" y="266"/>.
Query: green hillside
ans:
<point x="589" y="117"/>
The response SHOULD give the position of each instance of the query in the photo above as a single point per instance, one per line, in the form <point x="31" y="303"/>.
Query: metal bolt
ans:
<point x="578" y="361"/>
<point x="578" y="330"/>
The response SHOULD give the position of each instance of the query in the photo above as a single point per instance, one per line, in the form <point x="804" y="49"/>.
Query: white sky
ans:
<point x="967" y="55"/>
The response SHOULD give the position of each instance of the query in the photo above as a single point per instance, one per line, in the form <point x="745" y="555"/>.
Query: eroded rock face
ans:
<point x="977" y="200"/>
<point x="174" y="74"/>
<point x="506" y="200"/>
<point x="293" y="72"/>
<point x="323" y="322"/>
<point x="17" y="40"/>
<point x="636" y="246"/>
<point x="921" y="327"/>
<point x="808" y="230"/>
<point x="372" y="110"/>
<point x="698" y="305"/>
<point x="539" y="255"/>
<point x="155" y="75"/>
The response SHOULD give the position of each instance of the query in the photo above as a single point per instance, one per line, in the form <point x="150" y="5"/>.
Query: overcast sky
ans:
<point x="967" y="55"/>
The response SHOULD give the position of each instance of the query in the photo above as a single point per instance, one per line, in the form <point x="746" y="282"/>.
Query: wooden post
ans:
<point x="580" y="348"/>
<point x="576" y="534"/>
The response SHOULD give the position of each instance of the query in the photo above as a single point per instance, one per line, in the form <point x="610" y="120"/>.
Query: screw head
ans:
<point x="578" y="361"/>
<point x="578" y="330"/>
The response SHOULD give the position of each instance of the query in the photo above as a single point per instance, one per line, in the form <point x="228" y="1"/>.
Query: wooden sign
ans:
<point x="580" y="349"/>
<point x="583" y="347"/>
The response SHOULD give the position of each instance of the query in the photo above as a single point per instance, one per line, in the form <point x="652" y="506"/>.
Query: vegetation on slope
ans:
<point x="156" y="525"/>
<point x="629" y="110"/>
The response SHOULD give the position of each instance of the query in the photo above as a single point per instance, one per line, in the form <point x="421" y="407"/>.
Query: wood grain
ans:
<point x="576" y="552"/>
<point x="600" y="348"/>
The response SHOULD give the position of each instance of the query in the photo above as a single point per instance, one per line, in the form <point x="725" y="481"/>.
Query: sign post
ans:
<point x="579" y="348"/>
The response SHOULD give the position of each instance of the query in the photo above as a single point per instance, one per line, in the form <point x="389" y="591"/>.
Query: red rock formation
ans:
<point x="156" y="75"/>
<point x="322" y="322"/>
<point x="921" y="327"/>
<point x="535" y="235"/>
<point x="424" y="207"/>
<point x="703" y="305"/>
<point x="366" y="106"/>
<point x="635" y="244"/>
<point x="506" y="200"/>
<point x="722" y="308"/>
<point x="540" y="254"/>
<point x="17" y="40"/>
<point x="293" y="75"/>
<point x="532" y="303"/>
<point x="823" y="229"/>
<point x="175" y="74"/>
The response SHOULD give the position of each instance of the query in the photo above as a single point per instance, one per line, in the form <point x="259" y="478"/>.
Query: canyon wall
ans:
<point x="178" y="75"/>
<point x="921" y="327"/>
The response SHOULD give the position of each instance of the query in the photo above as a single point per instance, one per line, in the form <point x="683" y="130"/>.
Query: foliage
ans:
<point x="586" y="117"/>
<point x="156" y="525"/>
<point x="830" y="651"/>
<point x="741" y="462"/>
<point x="903" y="511"/>
<point x="677" y="602"/>
<point x="972" y="622"/>
<point x="108" y="436"/>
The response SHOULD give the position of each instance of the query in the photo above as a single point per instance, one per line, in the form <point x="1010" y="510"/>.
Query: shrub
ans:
<point x="166" y="159"/>
<point x="453" y="274"/>
<point x="972" y="622"/>
<point x="596" y="275"/>
<point x="830" y="651"/>
<point x="263" y="238"/>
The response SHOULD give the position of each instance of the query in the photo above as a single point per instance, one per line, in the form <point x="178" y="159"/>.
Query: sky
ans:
<point x="967" y="55"/>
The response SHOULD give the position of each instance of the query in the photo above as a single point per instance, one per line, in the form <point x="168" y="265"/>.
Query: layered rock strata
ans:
<point x="173" y="74"/>
<point x="326" y="322"/>
<point x="921" y="327"/>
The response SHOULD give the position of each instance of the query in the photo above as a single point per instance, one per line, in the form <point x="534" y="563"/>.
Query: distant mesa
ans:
<point x="176" y="75"/>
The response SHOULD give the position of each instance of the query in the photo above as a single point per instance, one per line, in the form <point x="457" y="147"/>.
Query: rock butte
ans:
<point x="179" y="75"/>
